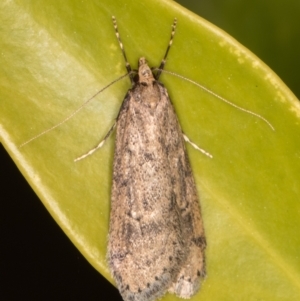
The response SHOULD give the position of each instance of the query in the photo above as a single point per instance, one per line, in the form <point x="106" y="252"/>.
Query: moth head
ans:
<point x="145" y="73"/>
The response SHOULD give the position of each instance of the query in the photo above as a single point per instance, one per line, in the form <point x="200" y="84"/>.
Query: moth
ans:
<point x="156" y="234"/>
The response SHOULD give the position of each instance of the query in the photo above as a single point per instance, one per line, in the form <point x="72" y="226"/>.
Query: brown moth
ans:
<point x="156" y="236"/>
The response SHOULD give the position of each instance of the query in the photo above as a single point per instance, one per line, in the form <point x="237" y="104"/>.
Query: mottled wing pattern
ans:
<point x="156" y="240"/>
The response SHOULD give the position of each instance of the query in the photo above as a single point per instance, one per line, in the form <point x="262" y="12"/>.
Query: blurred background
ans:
<point x="38" y="262"/>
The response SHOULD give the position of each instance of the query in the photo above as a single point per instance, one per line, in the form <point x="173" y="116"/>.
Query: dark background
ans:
<point x="38" y="262"/>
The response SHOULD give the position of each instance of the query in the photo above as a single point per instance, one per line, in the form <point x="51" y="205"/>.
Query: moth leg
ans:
<point x="128" y="67"/>
<point x="99" y="145"/>
<point x="163" y="62"/>
<point x="196" y="146"/>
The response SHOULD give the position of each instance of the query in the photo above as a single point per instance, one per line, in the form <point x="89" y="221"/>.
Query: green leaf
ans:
<point x="54" y="56"/>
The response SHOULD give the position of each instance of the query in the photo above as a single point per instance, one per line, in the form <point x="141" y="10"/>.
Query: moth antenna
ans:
<point x="73" y="113"/>
<point x="220" y="97"/>
<point x="128" y="67"/>
<point x="163" y="62"/>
